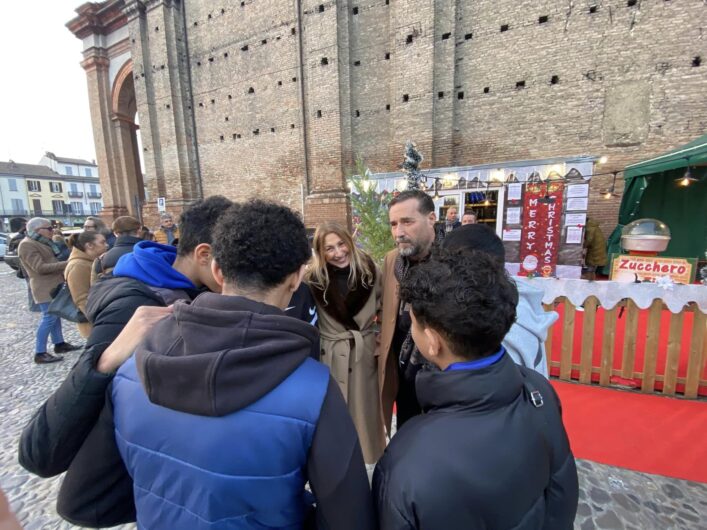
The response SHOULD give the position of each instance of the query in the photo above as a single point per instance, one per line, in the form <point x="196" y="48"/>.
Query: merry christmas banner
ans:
<point x="542" y="224"/>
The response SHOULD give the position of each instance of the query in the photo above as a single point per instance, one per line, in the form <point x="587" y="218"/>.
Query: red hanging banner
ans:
<point x="542" y="225"/>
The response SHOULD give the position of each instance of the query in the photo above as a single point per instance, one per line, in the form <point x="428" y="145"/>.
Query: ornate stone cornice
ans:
<point x="95" y="58"/>
<point x="98" y="18"/>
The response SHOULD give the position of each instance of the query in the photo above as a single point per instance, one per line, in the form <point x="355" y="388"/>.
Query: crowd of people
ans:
<point x="247" y="378"/>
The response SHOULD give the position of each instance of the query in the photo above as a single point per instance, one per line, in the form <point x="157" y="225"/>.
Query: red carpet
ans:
<point x="619" y="338"/>
<point x="648" y="433"/>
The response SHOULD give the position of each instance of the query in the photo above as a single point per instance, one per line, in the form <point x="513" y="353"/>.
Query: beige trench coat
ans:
<point x="351" y="358"/>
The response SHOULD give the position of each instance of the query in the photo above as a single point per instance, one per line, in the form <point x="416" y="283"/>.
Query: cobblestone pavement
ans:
<point x="610" y="498"/>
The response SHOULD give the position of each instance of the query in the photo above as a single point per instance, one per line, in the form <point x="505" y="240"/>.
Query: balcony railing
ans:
<point x="75" y="194"/>
<point x="14" y="213"/>
<point x="92" y="195"/>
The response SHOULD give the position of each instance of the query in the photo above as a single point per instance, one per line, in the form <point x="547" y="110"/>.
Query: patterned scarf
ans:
<point x="45" y="241"/>
<point x="410" y="357"/>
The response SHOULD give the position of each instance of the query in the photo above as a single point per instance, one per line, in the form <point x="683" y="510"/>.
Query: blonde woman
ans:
<point x="346" y="286"/>
<point x="86" y="247"/>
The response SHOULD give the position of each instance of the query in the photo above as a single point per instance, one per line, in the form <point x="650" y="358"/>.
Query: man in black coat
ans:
<point x="125" y="229"/>
<point x="490" y="450"/>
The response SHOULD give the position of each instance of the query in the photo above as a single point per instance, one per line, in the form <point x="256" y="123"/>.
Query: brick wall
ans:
<point x="470" y="82"/>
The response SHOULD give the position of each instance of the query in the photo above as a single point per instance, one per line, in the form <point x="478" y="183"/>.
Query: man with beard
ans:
<point x="412" y="222"/>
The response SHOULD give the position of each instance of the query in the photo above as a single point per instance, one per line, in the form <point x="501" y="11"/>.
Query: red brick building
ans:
<point x="274" y="98"/>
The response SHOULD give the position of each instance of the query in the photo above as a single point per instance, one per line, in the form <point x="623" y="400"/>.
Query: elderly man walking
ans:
<point x="39" y="257"/>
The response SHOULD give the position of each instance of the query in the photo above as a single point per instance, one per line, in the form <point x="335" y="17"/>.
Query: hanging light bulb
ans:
<point x="609" y="193"/>
<point x="687" y="179"/>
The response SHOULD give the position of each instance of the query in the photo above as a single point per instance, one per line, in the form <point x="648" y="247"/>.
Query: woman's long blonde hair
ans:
<point x="361" y="263"/>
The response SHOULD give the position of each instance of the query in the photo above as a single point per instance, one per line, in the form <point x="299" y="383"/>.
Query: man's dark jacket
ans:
<point x="201" y="421"/>
<point x="123" y="245"/>
<point x="53" y="437"/>
<point x="482" y="456"/>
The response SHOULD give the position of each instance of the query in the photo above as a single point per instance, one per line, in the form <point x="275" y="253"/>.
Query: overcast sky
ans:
<point x="43" y="94"/>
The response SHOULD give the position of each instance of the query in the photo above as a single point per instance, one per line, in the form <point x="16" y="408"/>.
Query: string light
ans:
<point x="686" y="179"/>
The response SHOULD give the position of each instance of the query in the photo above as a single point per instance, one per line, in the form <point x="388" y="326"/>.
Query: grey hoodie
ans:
<point x="525" y="341"/>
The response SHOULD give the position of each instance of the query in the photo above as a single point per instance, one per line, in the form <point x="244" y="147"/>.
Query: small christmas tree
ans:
<point x="370" y="214"/>
<point x="411" y="166"/>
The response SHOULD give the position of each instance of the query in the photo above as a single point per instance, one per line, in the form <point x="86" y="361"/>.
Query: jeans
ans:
<point x="50" y="324"/>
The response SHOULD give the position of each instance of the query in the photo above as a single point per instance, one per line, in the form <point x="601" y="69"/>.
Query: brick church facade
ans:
<point x="275" y="98"/>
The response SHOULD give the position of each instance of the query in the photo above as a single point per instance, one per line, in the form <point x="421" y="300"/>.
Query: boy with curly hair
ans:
<point x="490" y="450"/>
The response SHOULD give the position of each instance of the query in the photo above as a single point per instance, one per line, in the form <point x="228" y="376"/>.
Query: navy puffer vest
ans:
<point x="245" y="470"/>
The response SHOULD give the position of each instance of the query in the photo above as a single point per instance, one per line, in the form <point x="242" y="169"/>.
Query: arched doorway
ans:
<point x="129" y="191"/>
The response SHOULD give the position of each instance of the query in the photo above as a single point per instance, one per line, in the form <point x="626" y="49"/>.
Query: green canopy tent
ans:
<point x="652" y="190"/>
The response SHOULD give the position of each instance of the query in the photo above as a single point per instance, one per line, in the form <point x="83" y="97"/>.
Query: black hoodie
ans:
<point x="213" y="357"/>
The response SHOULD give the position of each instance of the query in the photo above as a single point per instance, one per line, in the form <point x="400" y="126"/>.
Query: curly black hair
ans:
<point x="466" y="296"/>
<point x="258" y="244"/>
<point x="196" y="224"/>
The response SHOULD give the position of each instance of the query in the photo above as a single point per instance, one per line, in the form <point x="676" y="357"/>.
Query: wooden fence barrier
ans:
<point x="583" y="354"/>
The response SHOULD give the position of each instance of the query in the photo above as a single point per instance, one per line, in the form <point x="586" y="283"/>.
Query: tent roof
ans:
<point x="693" y="153"/>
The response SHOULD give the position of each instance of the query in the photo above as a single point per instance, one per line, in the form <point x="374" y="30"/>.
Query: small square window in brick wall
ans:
<point x="387" y="56"/>
<point x="486" y="90"/>
<point x="504" y="28"/>
<point x="355" y="10"/>
<point x="631" y="3"/>
<point x="244" y="48"/>
<point x="256" y="132"/>
<point x="357" y="63"/>
<point x="264" y="41"/>
<point x="445" y="36"/>
<point x="440" y="95"/>
<point x="321" y="8"/>
<point x="387" y="107"/>
<point x="593" y="9"/>
<point x="520" y="84"/>
<point x="460" y="95"/>
<point x="543" y="19"/>
<point x="251" y="90"/>
<point x="554" y="80"/>
<point x="697" y="61"/>
<point x="406" y="98"/>
<point x="358" y="113"/>
<point x="408" y="39"/>
<point x="319" y="114"/>
<point x="272" y="129"/>
<point x="324" y="61"/>
<point x="468" y="36"/>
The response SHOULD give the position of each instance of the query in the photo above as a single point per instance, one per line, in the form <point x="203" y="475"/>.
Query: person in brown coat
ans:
<point x="86" y="247"/>
<point x="168" y="232"/>
<point x="412" y="221"/>
<point x="38" y="256"/>
<point x="594" y="250"/>
<point x="346" y="286"/>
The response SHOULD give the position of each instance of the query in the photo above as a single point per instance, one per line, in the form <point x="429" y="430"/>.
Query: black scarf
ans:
<point x="410" y="357"/>
<point x="342" y="303"/>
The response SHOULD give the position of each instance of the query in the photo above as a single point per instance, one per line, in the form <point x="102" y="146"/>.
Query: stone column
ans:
<point x="96" y="65"/>
<point x="163" y="95"/>
<point x="324" y="73"/>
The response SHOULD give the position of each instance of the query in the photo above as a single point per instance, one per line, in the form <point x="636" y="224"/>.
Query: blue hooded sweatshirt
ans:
<point x="151" y="263"/>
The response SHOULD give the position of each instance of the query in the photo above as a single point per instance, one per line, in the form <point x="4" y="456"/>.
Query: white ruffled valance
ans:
<point x="611" y="293"/>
